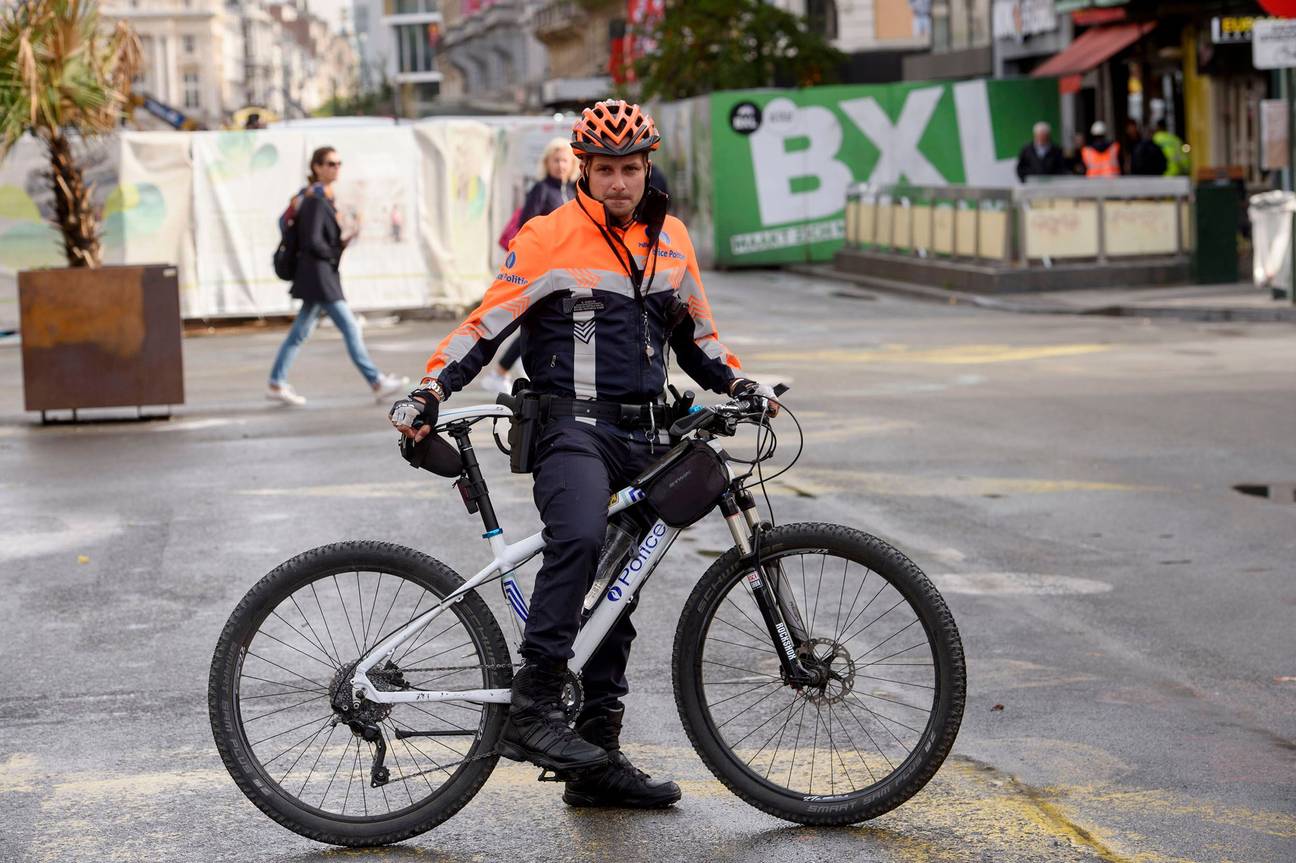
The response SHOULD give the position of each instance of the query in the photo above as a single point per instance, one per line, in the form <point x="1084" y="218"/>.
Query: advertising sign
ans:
<point x="1273" y="44"/>
<point x="1017" y="19"/>
<point x="782" y="160"/>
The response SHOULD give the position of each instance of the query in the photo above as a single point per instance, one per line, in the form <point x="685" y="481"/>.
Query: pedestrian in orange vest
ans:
<point x="1102" y="156"/>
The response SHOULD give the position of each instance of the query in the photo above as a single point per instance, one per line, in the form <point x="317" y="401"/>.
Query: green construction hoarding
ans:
<point x="765" y="181"/>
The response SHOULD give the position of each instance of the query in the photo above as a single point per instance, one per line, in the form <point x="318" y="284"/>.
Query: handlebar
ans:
<point x="733" y="410"/>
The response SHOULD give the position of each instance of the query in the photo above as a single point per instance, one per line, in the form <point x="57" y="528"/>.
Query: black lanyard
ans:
<point x="628" y="265"/>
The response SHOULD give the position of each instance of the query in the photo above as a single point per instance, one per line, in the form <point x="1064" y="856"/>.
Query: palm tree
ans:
<point x="63" y="78"/>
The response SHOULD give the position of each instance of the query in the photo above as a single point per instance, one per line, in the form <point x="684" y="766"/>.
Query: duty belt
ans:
<point x="627" y="416"/>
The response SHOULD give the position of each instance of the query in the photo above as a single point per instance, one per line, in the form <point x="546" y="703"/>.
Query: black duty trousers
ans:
<point x="578" y="467"/>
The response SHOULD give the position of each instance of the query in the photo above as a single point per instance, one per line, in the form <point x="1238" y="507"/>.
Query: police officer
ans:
<point x="603" y="287"/>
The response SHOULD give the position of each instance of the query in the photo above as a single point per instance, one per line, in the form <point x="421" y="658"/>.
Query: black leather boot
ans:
<point x="620" y="783"/>
<point x="537" y="729"/>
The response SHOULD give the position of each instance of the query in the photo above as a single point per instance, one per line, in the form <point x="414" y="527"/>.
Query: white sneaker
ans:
<point x="493" y="381"/>
<point x="389" y="385"/>
<point x="284" y="394"/>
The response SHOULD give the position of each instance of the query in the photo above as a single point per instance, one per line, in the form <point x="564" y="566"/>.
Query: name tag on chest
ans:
<point x="579" y="305"/>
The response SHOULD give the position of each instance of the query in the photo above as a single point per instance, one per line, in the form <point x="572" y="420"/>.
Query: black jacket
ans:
<point x="1030" y="164"/>
<point x="1147" y="159"/>
<point x="319" y="240"/>
<point x="546" y="196"/>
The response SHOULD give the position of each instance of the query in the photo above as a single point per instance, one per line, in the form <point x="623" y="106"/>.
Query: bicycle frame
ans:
<point x="508" y="557"/>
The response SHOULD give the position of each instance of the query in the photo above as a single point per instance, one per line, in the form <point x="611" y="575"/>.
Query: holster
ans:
<point x="524" y="431"/>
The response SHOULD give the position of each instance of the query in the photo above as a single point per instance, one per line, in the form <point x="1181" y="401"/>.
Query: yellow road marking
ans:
<point x="824" y="480"/>
<point x="968" y="809"/>
<point x="955" y="355"/>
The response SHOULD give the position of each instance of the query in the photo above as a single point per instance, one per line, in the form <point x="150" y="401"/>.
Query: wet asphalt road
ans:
<point x="1128" y="617"/>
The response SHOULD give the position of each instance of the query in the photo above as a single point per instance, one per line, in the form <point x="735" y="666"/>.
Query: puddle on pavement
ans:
<point x="1281" y="492"/>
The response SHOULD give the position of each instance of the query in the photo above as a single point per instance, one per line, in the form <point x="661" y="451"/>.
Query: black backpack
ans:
<point x="285" y="256"/>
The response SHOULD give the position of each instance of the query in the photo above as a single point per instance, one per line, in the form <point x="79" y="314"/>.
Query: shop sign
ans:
<point x="1233" y="29"/>
<point x="1017" y="19"/>
<point x="1273" y="44"/>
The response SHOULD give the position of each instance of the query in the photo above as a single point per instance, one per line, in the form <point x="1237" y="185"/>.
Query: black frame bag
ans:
<point x="686" y="484"/>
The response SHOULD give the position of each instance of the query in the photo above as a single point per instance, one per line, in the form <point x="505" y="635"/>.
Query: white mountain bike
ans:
<point x="358" y="690"/>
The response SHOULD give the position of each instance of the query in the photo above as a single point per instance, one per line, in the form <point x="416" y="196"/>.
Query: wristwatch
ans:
<point x="430" y="387"/>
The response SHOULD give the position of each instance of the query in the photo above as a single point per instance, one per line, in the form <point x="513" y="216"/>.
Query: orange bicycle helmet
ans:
<point x="614" y="128"/>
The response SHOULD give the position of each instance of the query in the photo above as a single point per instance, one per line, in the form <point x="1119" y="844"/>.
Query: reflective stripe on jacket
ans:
<point x="1172" y="146"/>
<point x="591" y="332"/>
<point x="1104" y="163"/>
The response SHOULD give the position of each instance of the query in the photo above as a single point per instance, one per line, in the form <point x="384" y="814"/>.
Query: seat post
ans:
<point x="471" y="483"/>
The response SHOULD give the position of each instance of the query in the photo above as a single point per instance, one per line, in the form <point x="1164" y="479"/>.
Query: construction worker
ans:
<point x="1102" y="155"/>
<point x="1173" y="148"/>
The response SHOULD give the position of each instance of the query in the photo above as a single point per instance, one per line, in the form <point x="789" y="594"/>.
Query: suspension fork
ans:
<point x="763" y="578"/>
<point x="782" y="588"/>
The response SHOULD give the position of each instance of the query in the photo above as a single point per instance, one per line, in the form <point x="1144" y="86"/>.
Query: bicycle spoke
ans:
<point x="347" y="615"/>
<point x="331" y="662"/>
<point x="317" y="761"/>
<point x="298" y="650"/>
<point x="860" y="631"/>
<point x="279" y="683"/>
<point x="858" y="591"/>
<point x="744" y="646"/>
<point x="324" y="618"/>
<point x="315" y="683"/>
<point x="324" y="718"/>
<point x="346" y="750"/>
<point x="791" y="708"/>
<point x="748" y="709"/>
<point x="282" y="709"/>
<point x="736" y="668"/>
<point x="757" y="639"/>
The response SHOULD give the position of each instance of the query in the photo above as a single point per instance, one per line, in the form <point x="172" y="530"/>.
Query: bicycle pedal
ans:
<point x="547" y="775"/>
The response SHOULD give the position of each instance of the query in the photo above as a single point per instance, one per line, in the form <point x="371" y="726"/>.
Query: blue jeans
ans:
<point x="302" y="327"/>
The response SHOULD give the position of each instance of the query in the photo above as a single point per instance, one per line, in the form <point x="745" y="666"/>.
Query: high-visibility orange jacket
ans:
<point x="592" y="332"/>
<point x="1102" y="163"/>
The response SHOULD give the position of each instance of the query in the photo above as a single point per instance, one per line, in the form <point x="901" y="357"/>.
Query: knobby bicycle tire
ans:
<point x="703" y="610"/>
<point x="243" y="625"/>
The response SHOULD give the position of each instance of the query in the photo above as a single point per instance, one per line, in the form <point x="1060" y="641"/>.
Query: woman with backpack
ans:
<point x="556" y="185"/>
<point x="320" y="241"/>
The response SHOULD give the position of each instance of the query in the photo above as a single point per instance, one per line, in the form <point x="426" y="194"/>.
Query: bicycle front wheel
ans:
<point x="884" y="719"/>
<point x="294" y="738"/>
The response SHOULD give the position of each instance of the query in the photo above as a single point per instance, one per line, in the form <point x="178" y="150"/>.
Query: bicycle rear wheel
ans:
<point x="882" y="723"/>
<point x="288" y="651"/>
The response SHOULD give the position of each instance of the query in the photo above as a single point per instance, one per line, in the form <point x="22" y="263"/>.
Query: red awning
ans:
<point x="1092" y="49"/>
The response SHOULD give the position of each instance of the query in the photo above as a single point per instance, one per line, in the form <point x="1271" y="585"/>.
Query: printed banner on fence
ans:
<point x="784" y="159"/>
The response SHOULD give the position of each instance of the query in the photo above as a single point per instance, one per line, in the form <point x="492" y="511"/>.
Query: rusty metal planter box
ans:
<point x="108" y="337"/>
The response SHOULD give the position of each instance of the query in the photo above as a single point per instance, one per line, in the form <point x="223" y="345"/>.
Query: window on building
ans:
<point x="821" y="16"/>
<point x="415" y="48"/>
<point x="414" y="7"/>
<point x="188" y="44"/>
<point x="191" y="99"/>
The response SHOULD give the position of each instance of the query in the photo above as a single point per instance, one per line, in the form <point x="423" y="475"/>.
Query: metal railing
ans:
<point x="1053" y="220"/>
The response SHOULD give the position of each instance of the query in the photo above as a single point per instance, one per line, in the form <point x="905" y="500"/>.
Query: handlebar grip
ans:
<point x="686" y="424"/>
<point x="779" y="389"/>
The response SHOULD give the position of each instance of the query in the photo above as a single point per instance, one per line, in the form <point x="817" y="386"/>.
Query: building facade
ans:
<point x="186" y="50"/>
<point x="208" y="59"/>
<point x="490" y="57"/>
